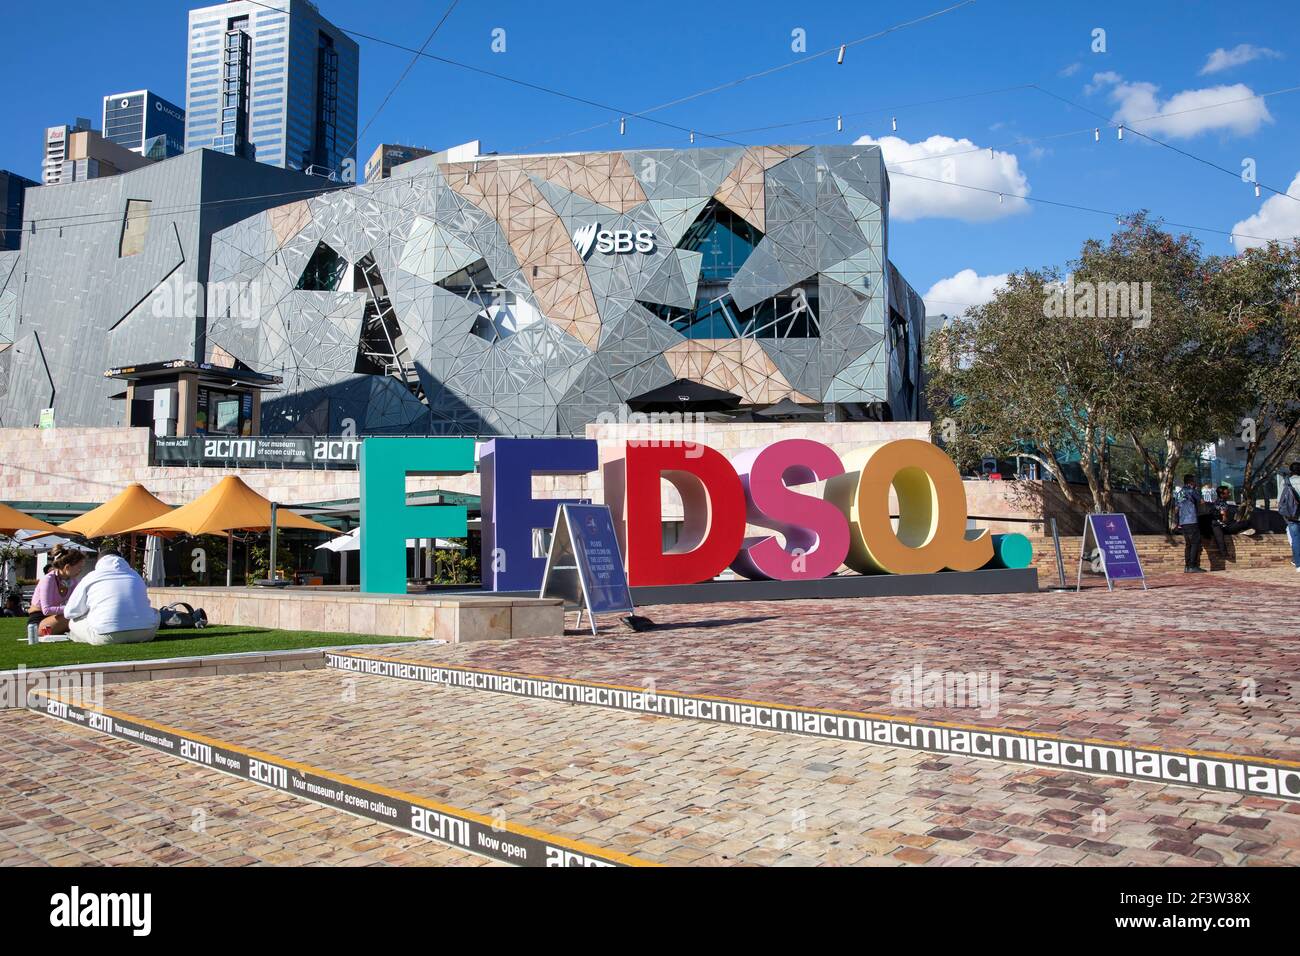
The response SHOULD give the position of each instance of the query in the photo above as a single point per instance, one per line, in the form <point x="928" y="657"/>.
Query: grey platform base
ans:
<point x="1019" y="581"/>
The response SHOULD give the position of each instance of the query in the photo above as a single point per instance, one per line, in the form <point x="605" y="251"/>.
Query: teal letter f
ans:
<point x="387" y="522"/>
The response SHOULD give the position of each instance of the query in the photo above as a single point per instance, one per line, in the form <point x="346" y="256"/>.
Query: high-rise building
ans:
<point x="144" y="123"/>
<point x="388" y="156"/>
<point x="272" y="81"/>
<point x="75" y="153"/>
<point x="11" y="215"/>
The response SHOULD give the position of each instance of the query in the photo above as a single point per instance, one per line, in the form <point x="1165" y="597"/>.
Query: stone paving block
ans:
<point x="612" y="778"/>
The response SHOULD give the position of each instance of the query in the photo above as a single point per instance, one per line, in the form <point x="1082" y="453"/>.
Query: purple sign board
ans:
<point x="1115" y="541"/>
<point x="600" y="566"/>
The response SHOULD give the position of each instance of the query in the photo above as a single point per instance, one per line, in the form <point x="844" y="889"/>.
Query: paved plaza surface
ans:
<point x="1208" y="662"/>
<point x="1165" y="666"/>
<point x="72" y="797"/>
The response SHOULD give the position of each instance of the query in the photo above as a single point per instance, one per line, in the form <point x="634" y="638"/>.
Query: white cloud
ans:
<point x="1102" y="80"/>
<point x="1234" y="109"/>
<point x="1070" y="70"/>
<point x="955" y="294"/>
<point x="1222" y="59"/>
<point x="1278" y="218"/>
<point x="940" y="162"/>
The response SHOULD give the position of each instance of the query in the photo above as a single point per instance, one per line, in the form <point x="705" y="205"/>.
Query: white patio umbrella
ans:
<point x="352" y="542"/>
<point x="344" y="542"/>
<point x="154" y="573"/>
<point x="38" y="543"/>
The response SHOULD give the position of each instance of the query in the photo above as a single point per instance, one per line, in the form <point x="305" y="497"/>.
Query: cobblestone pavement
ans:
<point x="71" y="797"/>
<point x="680" y="792"/>
<point x="1208" y="662"/>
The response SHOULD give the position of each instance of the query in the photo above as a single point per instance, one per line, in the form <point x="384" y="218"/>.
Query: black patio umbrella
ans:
<point x="787" y="410"/>
<point x="684" y="395"/>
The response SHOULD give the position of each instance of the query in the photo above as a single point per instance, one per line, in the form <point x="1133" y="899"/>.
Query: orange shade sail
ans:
<point x="132" y="506"/>
<point x="229" y="505"/>
<point x="11" y="520"/>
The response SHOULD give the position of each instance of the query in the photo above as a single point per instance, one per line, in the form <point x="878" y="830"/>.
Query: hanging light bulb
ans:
<point x="839" y="124"/>
<point x="990" y="152"/>
<point x="999" y="199"/>
<point x="893" y="121"/>
<point x="1256" y="190"/>
<point x="622" y="125"/>
<point x="1120" y="133"/>
<point x="1096" y="134"/>
<point x="840" y="58"/>
<point x="692" y="136"/>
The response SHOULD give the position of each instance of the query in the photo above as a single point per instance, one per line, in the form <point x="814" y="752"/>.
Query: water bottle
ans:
<point x="33" y="634"/>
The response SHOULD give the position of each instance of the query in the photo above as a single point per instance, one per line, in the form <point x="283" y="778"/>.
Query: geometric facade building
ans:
<point x="114" y="271"/>
<point x="527" y="295"/>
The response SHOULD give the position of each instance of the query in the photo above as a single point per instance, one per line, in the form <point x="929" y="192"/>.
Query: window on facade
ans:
<point x="135" y="227"/>
<point x="501" y="312"/>
<point x="724" y="239"/>
<point x="790" y="315"/>
<point x="324" y="270"/>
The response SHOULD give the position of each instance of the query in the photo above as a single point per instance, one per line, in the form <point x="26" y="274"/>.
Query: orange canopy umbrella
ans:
<point x="130" y="507"/>
<point x="229" y="505"/>
<point x="11" y="520"/>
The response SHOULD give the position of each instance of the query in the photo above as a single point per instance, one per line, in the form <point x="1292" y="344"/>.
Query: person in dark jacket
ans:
<point x="1224" y="521"/>
<point x="1187" y="505"/>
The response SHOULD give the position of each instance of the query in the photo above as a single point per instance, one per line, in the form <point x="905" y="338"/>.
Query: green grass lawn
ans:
<point x="170" y="642"/>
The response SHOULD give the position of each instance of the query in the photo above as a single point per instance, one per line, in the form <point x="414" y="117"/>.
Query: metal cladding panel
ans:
<point x="82" y="306"/>
<point x="522" y="294"/>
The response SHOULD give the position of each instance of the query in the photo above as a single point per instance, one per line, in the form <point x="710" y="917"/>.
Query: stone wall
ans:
<point x="451" y="619"/>
<point x="92" y="464"/>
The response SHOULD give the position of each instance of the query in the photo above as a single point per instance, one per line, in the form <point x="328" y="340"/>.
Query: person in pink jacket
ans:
<point x="64" y="571"/>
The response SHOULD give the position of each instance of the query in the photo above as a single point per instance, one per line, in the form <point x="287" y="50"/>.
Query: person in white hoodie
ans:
<point x="111" y="604"/>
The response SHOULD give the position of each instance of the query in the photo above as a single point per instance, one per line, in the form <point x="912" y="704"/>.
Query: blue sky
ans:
<point x="1159" y="57"/>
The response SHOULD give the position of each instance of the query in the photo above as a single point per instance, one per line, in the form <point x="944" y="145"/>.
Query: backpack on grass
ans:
<point x="181" y="614"/>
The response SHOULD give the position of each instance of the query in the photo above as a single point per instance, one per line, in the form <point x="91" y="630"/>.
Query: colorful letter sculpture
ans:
<point x="511" y="513"/>
<point x="713" y="512"/>
<point x="387" y="522"/>
<point x="852" y="523"/>
<point x="931" y="533"/>
<point x="816" y="533"/>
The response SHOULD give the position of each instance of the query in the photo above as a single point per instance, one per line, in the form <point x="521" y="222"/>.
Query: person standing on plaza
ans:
<point x="1188" y="504"/>
<point x="1288" y="507"/>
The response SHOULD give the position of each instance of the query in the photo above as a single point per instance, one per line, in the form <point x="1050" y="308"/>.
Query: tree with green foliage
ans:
<point x="1119" y="352"/>
<point x="1257" y="293"/>
<point x="1179" y="365"/>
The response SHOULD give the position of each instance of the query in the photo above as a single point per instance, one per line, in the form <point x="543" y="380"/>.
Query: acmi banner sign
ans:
<point x="849" y="523"/>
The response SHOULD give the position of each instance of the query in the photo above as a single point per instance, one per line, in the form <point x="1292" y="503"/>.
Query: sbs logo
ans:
<point x="591" y="237"/>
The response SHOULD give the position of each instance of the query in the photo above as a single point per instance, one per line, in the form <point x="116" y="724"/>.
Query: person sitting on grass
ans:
<point x="111" y="604"/>
<point x="65" y="565"/>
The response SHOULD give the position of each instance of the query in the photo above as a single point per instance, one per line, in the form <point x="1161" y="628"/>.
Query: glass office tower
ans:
<point x="272" y="81"/>
<point x="145" y="123"/>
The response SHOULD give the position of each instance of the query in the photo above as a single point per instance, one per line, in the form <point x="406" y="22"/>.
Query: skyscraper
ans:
<point x="272" y="81"/>
<point x="78" y="152"/>
<point x="12" y="187"/>
<point x="144" y="123"/>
